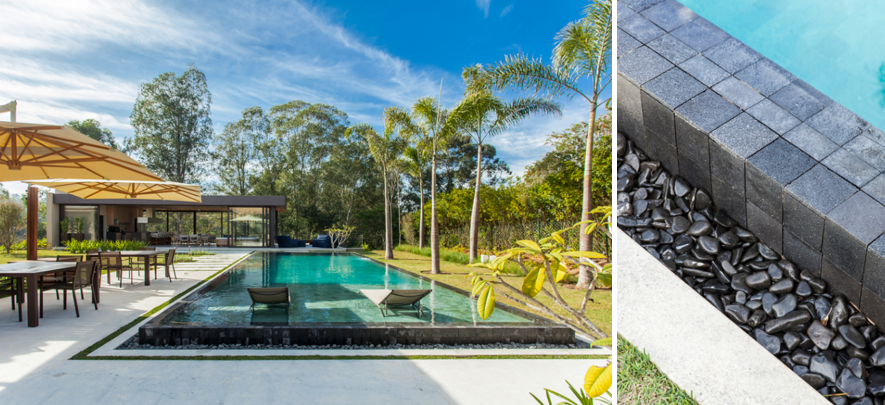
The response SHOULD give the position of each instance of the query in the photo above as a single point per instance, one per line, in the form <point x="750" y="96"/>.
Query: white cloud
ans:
<point x="506" y="10"/>
<point x="484" y="6"/>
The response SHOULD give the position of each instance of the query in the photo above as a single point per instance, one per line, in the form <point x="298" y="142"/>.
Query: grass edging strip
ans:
<point x="83" y="355"/>
<point x="434" y="357"/>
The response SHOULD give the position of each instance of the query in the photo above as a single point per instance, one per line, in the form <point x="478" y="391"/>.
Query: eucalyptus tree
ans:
<point x="385" y="148"/>
<point x="92" y="128"/>
<point x="235" y="154"/>
<point x="431" y="123"/>
<point x="173" y="129"/>
<point x="582" y="52"/>
<point x="482" y="115"/>
<point x="414" y="163"/>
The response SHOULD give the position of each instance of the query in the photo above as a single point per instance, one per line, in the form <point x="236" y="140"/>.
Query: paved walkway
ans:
<point x="35" y="366"/>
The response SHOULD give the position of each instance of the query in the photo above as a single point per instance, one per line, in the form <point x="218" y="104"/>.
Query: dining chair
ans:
<point x="168" y="262"/>
<point x="141" y="261"/>
<point x="8" y="288"/>
<point x="83" y="275"/>
<point x="113" y="261"/>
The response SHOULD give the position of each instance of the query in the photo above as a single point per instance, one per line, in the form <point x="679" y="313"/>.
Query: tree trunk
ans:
<point x="434" y="227"/>
<point x="421" y="215"/>
<point x="584" y="276"/>
<point x="388" y="228"/>
<point x="474" y="217"/>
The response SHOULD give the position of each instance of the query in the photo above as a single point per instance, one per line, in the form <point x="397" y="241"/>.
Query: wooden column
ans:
<point x="33" y="212"/>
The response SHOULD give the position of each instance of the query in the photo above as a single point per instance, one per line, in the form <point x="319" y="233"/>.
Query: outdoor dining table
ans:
<point x="149" y="255"/>
<point x="30" y="271"/>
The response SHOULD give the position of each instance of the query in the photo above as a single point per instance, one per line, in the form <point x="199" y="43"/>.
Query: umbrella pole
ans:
<point x="33" y="211"/>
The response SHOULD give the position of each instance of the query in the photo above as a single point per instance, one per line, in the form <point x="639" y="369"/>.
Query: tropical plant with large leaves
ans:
<point x="582" y="52"/>
<point x="597" y="382"/>
<point x="482" y="115"/>
<point x="544" y="265"/>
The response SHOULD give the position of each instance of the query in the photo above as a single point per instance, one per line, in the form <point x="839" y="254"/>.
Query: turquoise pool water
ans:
<point x="836" y="46"/>
<point x="325" y="289"/>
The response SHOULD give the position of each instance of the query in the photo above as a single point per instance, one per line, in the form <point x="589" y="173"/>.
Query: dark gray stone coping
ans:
<point x="158" y="332"/>
<point x="801" y="171"/>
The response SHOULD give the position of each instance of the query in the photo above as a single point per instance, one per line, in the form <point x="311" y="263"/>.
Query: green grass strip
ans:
<point x="320" y="357"/>
<point x="84" y="355"/>
<point x="640" y="381"/>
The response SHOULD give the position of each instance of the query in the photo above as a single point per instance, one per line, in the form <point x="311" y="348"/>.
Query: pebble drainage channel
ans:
<point x="821" y="336"/>
<point x="132" y="344"/>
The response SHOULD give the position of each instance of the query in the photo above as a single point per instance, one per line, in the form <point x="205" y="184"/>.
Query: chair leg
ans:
<point x="65" y="307"/>
<point x="41" y="304"/>
<point x="76" y="308"/>
<point x="81" y="294"/>
<point x="93" y="298"/>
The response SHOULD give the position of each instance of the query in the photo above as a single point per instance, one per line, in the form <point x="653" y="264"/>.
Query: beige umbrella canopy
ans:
<point x="36" y="151"/>
<point x="112" y="189"/>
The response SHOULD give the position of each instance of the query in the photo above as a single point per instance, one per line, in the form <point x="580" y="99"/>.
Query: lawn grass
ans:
<point x="640" y="381"/>
<point x="599" y="312"/>
<point x="22" y="255"/>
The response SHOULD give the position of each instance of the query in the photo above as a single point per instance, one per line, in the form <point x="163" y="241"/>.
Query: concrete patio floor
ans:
<point x="35" y="365"/>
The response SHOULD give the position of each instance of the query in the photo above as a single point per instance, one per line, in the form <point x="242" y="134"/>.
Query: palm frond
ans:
<point x="520" y="71"/>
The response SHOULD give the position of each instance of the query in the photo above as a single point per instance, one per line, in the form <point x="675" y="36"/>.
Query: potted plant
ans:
<point x="78" y="226"/>
<point x="65" y="229"/>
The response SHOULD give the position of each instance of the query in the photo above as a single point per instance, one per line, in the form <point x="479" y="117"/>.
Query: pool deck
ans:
<point x="35" y="365"/>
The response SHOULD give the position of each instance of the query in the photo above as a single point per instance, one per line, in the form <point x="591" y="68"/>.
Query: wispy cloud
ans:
<point x="484" y="6"/>
<point x="506" y="10"/>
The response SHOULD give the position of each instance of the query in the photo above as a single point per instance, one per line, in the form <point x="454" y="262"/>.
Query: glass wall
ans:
<point x="250" y="226"/>
<point x="181" y="222"/>
<point x="83" y="219"/>
<point x="212" y="223"/>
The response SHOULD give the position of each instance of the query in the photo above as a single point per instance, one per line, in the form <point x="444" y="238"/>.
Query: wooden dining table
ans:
<point x="150" y="257"/>
<point x="30" y="271"/>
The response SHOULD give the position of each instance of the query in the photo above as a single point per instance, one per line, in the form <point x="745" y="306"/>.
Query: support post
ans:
<point x="33" y="211"/>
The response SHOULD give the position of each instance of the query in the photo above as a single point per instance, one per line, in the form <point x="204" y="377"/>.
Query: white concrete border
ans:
<point x="109" y="348"/>
<point x="691" y="342"/>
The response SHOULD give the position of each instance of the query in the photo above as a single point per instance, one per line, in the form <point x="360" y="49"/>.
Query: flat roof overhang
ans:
<point x="209" y="202"/>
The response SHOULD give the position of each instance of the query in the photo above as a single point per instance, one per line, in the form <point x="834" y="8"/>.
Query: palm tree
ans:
<point x="484" y="115"/>
<point x="415" y="162"/>
<point x="385" y="149"/>
<point x="583" y="50"/>
<point x="432" y="124"/>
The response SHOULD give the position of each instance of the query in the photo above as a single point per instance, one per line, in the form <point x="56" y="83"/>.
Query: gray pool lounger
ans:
<point x="385" y="299"/>
<point x="269" y="295"/>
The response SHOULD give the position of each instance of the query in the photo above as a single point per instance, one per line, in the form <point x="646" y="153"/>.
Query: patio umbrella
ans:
<point x="38" y="151"/>
<point x="109" y="189"/>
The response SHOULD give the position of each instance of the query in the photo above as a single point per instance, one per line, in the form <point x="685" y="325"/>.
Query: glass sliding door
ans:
<point x="250" y="226"/>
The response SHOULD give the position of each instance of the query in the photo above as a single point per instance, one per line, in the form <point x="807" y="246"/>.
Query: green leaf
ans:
<point x="591" y="255"/>
<point x="485" y="305"/>
<point x="534" y="282"/>
<point x="558" y="238"/>
<point x="477" y="287"/>
<point x="561" y="272"/>
<point x="605" y="279"/>
<point x="531" y="245"/>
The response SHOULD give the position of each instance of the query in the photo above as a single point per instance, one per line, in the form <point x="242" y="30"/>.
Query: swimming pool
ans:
<point x="327" y="308"/>
<point x="833" y="45"/>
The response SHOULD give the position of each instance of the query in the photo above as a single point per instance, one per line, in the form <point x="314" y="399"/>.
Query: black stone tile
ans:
<point x="624" y="11"/>
<point x="839" y="281"/>
<point x="694" y="173"/>
<point x="727" y="168"/>
<point x="658" y="118"/>
<point x="704" y="70"/>
<point x="868" y="150"/>
<point x="873" y="306"/>
<point x="801" y="254"/>
<point x="765" y="193"/>
<point x="708" y="110"/>
<point x="692" y="142"/>
<point x="876" y="188"/>
<point x="800" y="99"/>
<point x="674" y="87"/>
<point x="640" y="28"/>
<point x="843" y="250"/>
<point x="638" y="5"/>
<point x="669" y="14"/>
<point x="766" y="228"/>
<point x="860" y="215"/>
<point x="626" y="43"/>
<point x="773" y="116"/>
<point x="851" y="167"/>
<point x="671" y="48"/>
<point x="738" y="93"/>
<point x="661" y="150"/>
<point x="765" y="76"/>
<point x="782" y="162"/>
<point x="803" y="221"/>
<point x="821" y="189"/>
<point x="700" y="34"/>
<point x="744" y="135"/>
<point x="811" y="142"/>
<point x="732" y="55"/>
<point x="643" y="65"/>
<point x="874" y="267"/>
<point x="726" y="199"/>
<point x="838" y="123"/>
<point x="629" y="107"/>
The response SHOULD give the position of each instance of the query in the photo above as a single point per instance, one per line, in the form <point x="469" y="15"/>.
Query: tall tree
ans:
<point x="583" y="51"/>
<point x="12" y="221"/>
<point x="483" y="115"/>
<point x="415" y="163"/>
<point x="235" y="152"/>
<point x="386" y="149"/>
<point x="92" y="128"/>
<point x="173" y="129"/>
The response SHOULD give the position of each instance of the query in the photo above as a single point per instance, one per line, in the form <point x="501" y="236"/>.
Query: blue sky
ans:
<point x="86" y="59"/>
